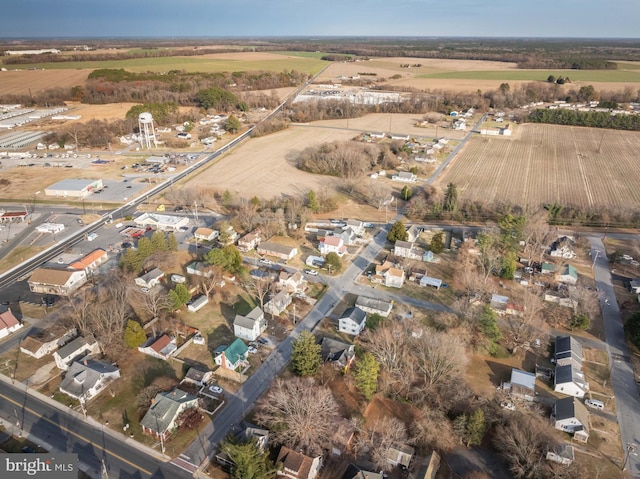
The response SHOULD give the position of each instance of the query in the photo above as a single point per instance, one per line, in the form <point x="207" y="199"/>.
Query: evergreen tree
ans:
<point x="130" y="261"/>
<point x="476" y="427"/>
<point x="227" y="258"/>
<point x="332" y="259"/>
<point x="233" y="124"/>
<point x="488" y="323"/>
<point x="406" y="193"/>
<point x="172" y="242"/>
<point x="145" y="248"/>
<point x="227" y="198"/>
<point x="312" y="201"/>
<point x="509" y="265"/>
<point x="580" y="321"/>
<point x="451" y="198"/>
<point x="134" y="334"/>
<point x="305" y="358"/>
<point x="437" y="243"/>
<point x="159" y="241"/>
<point x="366" y="375"/>
<point x="179" y="296"/>
<point x="397" y="232"/>
<point x="460" y="426"/>
<point x="249" y="462"/>
<point x="373" y="320"/>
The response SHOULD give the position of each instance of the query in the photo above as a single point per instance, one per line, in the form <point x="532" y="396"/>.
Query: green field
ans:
<point x="190" y="64"/>
<point x="605" y="76"/>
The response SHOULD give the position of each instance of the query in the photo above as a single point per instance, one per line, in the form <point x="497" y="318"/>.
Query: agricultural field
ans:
<point x="22" y="82"/>
<point x="585" y="167"/>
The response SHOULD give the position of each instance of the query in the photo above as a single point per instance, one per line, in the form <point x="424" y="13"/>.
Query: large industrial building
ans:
<point x="78" y="188"/>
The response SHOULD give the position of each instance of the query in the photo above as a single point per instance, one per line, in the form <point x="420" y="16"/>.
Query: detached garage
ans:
<point x="74" y="188"/>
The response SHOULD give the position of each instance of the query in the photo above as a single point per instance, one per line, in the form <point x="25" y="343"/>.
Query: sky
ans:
<point x="252" y="18"/>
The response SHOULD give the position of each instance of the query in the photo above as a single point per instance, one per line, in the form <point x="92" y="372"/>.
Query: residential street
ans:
<point x="622" y="376"/>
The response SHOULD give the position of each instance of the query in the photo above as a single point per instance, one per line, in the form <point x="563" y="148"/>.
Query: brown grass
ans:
<point x="34" y="81"/>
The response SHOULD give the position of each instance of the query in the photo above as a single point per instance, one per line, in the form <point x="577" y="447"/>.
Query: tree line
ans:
<point x="594" y="119"/>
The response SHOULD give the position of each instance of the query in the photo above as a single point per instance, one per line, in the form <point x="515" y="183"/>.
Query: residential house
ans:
<point x="332" y="244"/>
<point x="563" y="454"/>
<point x="354" y="472"/>
<point x="292" y="282"/>
<point x="413" y="233"/>
<point x="161" y="222"/>
<point x="162" y="347"/>
<point x="522" y="385"/>
<point x="250" y="241"/>
<point x="198" y="303"/>
<point x="251" y="326"/>
<point x="229" y="235"/>
<point x="429" y="281"/>
<point x="352" y="321"/>
<point x="570" y="415"/>
<point x="407" y="249"/>
<point x="568" y="274"/>
<point x="315" y="261"/>
<point x="199" y="268"/>
<point x="150" y="279"/>
<point x="389" y="275"/>
<point x="514" y="309"/>
<point x="568" y="352"/>
<point x="357" y="226"/>
<point x="45" y="341"/>
<point x="245" y="433"/>
<point x="374" y="306"/>
<point x="206" y="234"/>
<point x="347" y="235"/>
<point x="278" y="303"/>
<point x="336" y="352"/>
<point x="8" y="323"/>
<point x="197" y="377"/>
<point x="405" y="176"/>
<point x="571" y="381"/>
<point x="277" y="250"/>
<point x="86" y="379"/>
<point x="233" y="356"/>
<point x="499" y="303"/>
<point x="91" y="261"/>
<point x="61" y="282"/>
<point x="160" y="419"/>
<point x="74" y="350"/>
<point x="400" y="455"/>
<point x="296" y="465"/>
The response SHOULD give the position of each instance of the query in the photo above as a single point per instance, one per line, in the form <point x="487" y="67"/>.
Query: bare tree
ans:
<point x="586" y="300"/>
<point x="247" y="214"/>
<point x="379" y="437"/>
<point x="529" y="324"/>
<point x="156" y="302"/>
<point x="78" y="309"/>
<point x="439" y="357"/>
<point x="300" y="413"/>
<point x="378" y="193"/>
<point x="490" y="256"/>
<point x="209" y="280"/>
<point x="537" y="235"/>
<point x="524" y="441"/>
<point x="432" y="430"/>
<point x="260" y="288"/>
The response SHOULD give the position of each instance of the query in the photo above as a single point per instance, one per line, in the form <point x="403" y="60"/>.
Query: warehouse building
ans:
<point x="78" y="188"/>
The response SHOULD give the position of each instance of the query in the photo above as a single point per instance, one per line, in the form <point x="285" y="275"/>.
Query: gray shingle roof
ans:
<point x="81" y="377"/>
<point x="164" y="409"/>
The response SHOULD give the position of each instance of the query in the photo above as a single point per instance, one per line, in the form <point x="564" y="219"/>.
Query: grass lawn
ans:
<point x="541" y="75"/>
<point x="18" y="255"/>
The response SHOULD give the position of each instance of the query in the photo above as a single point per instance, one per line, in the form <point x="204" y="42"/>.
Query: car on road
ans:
<point x="311" y="272"/>
<point x="266" y="261"/>
<point x="80" y="222"/>
<point x="216" y="389"/>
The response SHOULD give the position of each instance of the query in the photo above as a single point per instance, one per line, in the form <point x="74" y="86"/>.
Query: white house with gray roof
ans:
<point x="251" y="326"/>
<point x="86" y="379"/>
<point x="76" y="349"/>
<point x="571" y="381"/>
<point x="161" y="222"/>
<point x="160" y="419"/>
<point x="374" y="306"/>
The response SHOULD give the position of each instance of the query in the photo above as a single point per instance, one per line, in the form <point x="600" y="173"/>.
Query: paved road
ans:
<point x="622" y="375"/>
<point x="61" y="430"/>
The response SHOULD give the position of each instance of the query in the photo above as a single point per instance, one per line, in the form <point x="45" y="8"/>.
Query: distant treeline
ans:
<point x="595" y="119"/>
<point x="337" y="58"/>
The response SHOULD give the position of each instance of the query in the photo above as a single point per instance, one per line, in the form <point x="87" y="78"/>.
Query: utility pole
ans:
<point x="595" y="258"/>
<point x="195" y="204"/>
<point x="630" y="449"/>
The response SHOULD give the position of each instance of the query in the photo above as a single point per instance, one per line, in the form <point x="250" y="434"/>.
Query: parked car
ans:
<point x="594" y="404"/>
<point x="216" y="389"/>
<point x="311" y="272"/>
<point x="265" y="261"/>
<point x="262" y="341"/>
<point x="252" y="350"/>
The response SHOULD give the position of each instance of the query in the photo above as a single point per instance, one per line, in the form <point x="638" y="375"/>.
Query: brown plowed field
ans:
<point x="585" y="167"/>
<point x="20" y="82"/>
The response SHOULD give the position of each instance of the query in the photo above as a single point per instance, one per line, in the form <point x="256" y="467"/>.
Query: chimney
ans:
<point x="224" y="361"/>
<point x="85" y="362"/>
<point x="153" y="401"/>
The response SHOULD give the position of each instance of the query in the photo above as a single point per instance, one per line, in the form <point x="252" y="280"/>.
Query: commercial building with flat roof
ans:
<point x="79" y="188"/>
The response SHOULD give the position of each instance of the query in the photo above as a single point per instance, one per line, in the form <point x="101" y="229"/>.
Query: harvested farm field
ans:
<point x="265" y="167"/>
<point x="25" y="82"/>
<point x="585" y="167"/>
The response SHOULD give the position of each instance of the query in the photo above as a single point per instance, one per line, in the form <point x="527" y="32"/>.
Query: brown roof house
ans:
<point x="292" y="282"/>
<point x="389" y="275"/>
<point x="205" y="234"/>
<point x="250" y="241"/>
<point x="296" y="465"/>
<point x="8" y="323"/>
<point x="161" y="348"/>
<point x="46" y="341"/>
<point x="56" y="281"/>
<point x="91" y="261"/>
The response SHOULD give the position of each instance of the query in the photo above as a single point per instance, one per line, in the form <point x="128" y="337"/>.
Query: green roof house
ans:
<point x="568" y="275"/>
<point x="233" y="356"/>
<point x="548" y="268"/>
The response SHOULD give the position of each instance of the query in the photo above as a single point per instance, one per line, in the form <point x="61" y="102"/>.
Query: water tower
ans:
<point x="147" y="132"/>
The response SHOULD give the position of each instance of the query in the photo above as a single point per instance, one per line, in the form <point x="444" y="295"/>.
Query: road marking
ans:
<point x="97" y="446"/>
